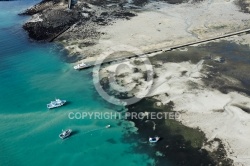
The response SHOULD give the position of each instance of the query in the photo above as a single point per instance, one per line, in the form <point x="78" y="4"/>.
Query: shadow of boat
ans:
<point x="67" y="103"/>
<point x="74" y="132"/>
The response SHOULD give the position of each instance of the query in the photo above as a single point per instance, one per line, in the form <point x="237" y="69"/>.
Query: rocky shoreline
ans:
<point x="50" y="18"/>
<point x="92" y="27"/>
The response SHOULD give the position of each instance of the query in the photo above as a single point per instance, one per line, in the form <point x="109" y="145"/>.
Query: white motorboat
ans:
<point x="56" y="103"/>
<point x="65" y="134"/>
<point x="81" y="66"/>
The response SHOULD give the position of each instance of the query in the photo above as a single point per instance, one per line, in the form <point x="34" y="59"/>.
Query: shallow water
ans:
<point x="31" y="75"/>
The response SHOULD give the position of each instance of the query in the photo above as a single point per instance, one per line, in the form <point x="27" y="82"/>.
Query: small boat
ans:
<point x="108" y="126"/>
<point x="65" y="134"/>
<point x="219" y="59"/>
<point x="56" y="103"/>
<point x="154" y="139"/>
<point x="81" y="66"/>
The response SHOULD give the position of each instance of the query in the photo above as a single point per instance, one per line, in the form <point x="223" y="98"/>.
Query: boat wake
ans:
<point x="94" y="130"/>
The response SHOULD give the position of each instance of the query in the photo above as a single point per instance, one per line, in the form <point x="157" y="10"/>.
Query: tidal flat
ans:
<point x="203" y="84"/>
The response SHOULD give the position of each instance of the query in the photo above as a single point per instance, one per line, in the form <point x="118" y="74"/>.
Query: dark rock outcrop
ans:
<point x="40" y="7"/>
<point x="54" y="19"/>
<point x="53" y="23"/>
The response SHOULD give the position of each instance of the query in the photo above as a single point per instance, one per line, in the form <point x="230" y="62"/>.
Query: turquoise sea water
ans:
<point x="31" y="75"/>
